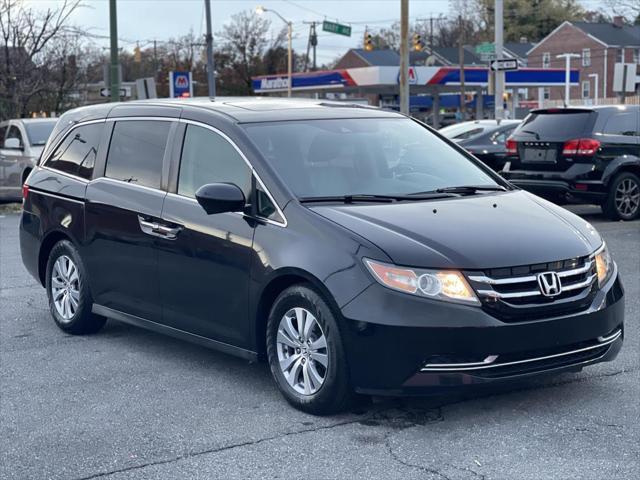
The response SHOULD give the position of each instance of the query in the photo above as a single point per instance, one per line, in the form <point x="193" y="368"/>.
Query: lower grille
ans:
<point x="493" y="366"/>
<point x="516" y="293"/>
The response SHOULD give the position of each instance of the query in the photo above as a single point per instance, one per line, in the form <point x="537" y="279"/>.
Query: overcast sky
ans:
<point x="145" y="20"/>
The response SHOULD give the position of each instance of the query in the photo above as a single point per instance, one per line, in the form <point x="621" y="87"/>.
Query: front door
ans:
<point x="122" y="212"/>
<point x="204" y="270"/>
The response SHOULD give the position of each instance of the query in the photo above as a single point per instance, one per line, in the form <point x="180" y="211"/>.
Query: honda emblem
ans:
<point x="549" y="283"/>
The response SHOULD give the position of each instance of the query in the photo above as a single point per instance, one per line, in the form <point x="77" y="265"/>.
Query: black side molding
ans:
<point x="174" y="332"/>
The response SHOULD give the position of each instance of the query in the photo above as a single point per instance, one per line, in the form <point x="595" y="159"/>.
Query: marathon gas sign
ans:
<point x="180" y="84"/>
<point x="280" y="83"/>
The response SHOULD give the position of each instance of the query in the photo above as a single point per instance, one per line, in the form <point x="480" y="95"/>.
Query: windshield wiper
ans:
<point x="374" y="198"/>
<point x="532" y="133"/>
<point x="465" y="189"/>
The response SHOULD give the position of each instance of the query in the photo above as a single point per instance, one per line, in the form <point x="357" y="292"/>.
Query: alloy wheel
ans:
<point x="627" y="197"/>
<point x="302" y="351"/>
<point x="65" y="287"/>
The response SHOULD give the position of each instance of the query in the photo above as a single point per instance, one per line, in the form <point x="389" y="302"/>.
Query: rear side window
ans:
<point x="76" y="155"/>
<point x="209" y="158"/>
<point x="621" y="124"/>
<point x="136" y="152"/>
<point x="555" y="126"/>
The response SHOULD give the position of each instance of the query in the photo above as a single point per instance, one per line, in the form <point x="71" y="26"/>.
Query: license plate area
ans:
<point x="539" y="155"/>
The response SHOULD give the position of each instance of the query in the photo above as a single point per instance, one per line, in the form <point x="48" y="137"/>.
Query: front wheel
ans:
<point x="306" y="354"/>
<point x="623" y="199"/>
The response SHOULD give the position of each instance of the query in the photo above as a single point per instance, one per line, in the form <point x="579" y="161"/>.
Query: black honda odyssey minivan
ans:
<point x="355" y="249"/>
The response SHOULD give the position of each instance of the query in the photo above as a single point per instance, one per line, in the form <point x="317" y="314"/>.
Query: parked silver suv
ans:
<point x="21" y="143"/>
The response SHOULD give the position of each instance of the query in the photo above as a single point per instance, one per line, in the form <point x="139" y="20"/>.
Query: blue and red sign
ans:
<point x="180" y="84"/>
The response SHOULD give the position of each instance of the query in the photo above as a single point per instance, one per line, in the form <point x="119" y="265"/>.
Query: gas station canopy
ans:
<point x="422" y="79"/>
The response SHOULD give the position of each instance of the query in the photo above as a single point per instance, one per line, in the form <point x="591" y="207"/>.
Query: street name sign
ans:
<point x="336" y="28"/>
<point x="504" y="64"/>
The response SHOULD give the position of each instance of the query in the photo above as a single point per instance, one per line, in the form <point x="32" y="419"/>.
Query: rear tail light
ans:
<point x="581" y="147"/>
<point x="25" y="191"/>
<point x="511" y="146"/>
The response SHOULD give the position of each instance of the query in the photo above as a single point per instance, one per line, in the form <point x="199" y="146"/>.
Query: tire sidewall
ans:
<point x="65" y="247"/>
<point x="611" y="208"/>
<point x="336" y="382"/>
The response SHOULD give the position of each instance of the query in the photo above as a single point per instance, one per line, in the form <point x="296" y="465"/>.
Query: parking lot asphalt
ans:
<point x="130" y="404"/>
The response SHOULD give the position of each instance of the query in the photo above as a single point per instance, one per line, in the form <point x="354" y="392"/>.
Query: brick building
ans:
<point x="599" y="46"/>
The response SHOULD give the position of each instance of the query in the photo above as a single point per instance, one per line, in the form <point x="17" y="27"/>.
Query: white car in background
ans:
<point x="21" y="143"/>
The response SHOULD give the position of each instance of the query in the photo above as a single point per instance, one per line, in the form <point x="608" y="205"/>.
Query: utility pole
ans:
<point x="431" y="34"/>
<point x="211" y="74"/>
<point x="312" y="42"/>
<point x="498" y="84"/>
<point x="404" y="56"/>
<point x="114" y="70"/>
<point x="463" y="106"/>
<point x="567" y="74"/>
<point x="155" y="59"/>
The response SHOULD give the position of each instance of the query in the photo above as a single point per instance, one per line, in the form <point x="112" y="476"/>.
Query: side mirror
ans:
<point x="220" y="198"/>
<point x="12" y="144"/>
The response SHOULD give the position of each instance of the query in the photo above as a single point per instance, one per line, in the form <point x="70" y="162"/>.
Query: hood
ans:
<point x="473" y="232"/>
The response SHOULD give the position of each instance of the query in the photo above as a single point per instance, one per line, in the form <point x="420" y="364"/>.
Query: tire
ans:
<point x="305" y="381"/>
<point x="67" y="287"/>
<point x="623" y="199"/>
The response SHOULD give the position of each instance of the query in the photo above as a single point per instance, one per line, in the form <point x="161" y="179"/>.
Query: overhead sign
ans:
<point x="180" y="84"/>
<point x="336" y="28"/>
<point x="504" y="64"/>
<point x="124" y="92"/>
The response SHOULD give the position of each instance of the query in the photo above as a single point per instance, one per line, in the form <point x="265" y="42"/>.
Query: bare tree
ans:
<point x="25" y="35"/>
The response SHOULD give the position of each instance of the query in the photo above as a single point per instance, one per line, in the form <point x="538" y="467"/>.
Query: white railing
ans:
<point x="632" y="100"/>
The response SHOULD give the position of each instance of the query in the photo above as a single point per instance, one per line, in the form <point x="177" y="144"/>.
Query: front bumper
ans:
<point x="393" y="341"/>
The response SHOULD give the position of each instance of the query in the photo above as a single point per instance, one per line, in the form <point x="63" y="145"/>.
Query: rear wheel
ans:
<point x="306" y="354"/>
<point x="70" y="300"/>
<point x="623" y="199"/>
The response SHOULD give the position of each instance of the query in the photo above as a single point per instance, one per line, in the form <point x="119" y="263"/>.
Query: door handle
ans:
<point x="168" y="232"/>
<point x="151" y="227"/>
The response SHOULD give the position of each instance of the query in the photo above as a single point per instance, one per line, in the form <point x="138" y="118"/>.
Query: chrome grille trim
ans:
<point x="576" y="271"/>
<point x="493" y="293"/>
<point x="529" y="283"/>
<point x="602" y="341"/>
<point x="577" y="286"/>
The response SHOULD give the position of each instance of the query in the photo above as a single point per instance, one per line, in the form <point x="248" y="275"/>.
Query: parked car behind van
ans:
<point x="21" y="143"/>
<point x="354" y="249"/>
<point x="485" y="139"/>
<point x="580" y="154"/>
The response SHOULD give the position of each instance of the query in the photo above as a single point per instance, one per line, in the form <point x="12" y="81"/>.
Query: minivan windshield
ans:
<point x="364" y="156"/>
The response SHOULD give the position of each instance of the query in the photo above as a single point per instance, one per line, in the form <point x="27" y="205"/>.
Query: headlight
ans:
<point x="604" y="264"/>
<point x="447" y="285"/>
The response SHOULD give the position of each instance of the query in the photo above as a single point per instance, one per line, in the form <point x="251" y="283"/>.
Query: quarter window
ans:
<point x="621" y="124"/>
<point x="209" y="158"/>
<point x="136" y="152"/>
<point x="76" y="155"/>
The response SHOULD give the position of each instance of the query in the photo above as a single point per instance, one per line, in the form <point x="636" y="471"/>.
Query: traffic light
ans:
<point x="368" y="42"/>
<point x="137" y="54"/>
<point x="418" y="45"/>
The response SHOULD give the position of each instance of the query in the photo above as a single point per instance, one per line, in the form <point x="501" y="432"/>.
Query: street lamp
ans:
<point x="260" y="10"/>
<point x="595" y="89"/>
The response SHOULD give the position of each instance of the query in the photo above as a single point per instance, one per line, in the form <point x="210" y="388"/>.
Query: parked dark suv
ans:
<point x="589" y="155"/>
<point x="356" y="250"/>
